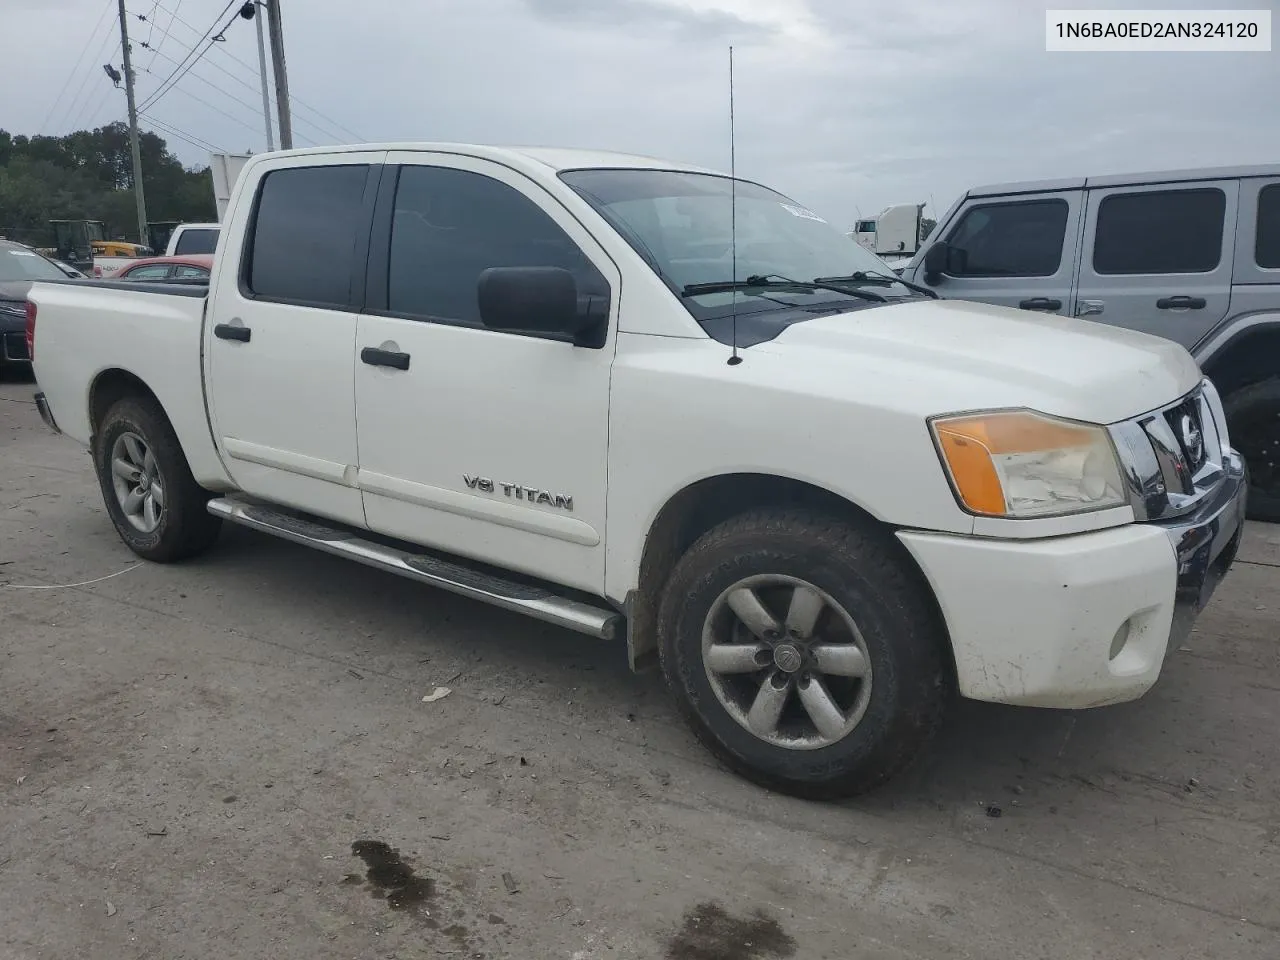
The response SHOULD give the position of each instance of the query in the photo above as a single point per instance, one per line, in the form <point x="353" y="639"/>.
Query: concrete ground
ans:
<point x="231" y="758"/>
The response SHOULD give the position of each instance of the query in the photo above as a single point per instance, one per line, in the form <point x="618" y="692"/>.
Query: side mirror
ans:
<point x="936" y="260"/>
<point x="537" y="300"/>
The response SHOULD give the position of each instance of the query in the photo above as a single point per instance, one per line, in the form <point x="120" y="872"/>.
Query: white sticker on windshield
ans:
<point x="801" y="212"/>
<point x="22" y="253"/>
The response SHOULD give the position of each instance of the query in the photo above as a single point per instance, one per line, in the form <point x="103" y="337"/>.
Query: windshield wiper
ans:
<point x="756" y="281"/>
<point x="864" y="276"/>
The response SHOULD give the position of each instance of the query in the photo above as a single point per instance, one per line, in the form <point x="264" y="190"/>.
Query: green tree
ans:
<point x="88" y="175"/>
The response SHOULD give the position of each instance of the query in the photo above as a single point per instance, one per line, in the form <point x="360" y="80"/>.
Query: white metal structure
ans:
<point x="888" y="494"/>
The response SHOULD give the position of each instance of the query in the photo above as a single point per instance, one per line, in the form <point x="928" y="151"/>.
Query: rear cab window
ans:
<point x="1013" y="239"/>
<point x="199" y="240"/>
<point x="304" y="234"/>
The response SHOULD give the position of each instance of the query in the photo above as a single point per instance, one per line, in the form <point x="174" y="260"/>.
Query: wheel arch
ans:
<point x="1246" y="352"/>
<point x="112" y="385"/>
<point x="708" y="502"/>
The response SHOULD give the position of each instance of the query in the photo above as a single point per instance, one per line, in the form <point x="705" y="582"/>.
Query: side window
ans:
<point x="1267" y="250"/>
<point x="304" y="234"/>
<point x="451" y="225"/>
<point x="1163" y="231"/>
<point x="186" y="272"/>
<point x="1017" y="239"/>
<point x="155" y="271"/>
<point x="196" y="241"/>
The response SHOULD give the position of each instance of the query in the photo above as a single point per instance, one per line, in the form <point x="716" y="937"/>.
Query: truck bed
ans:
<point x="88" y="331"/>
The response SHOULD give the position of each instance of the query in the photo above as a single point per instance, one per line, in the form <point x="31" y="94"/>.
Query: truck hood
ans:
<point x="952" y="355"/>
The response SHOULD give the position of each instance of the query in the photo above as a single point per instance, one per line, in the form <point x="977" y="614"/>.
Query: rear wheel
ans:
<point x="156" y="505"/>
<point x="805" y="653"/>
<point x="1253" y="421"/>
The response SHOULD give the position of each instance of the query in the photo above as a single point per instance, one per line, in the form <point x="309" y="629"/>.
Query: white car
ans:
<point x="556" y="381"/>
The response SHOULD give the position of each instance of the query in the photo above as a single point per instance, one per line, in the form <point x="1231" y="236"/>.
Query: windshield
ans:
<point x="19" y="264"/>
<point x="96" y="231"/>
<point x="680" y="222"/>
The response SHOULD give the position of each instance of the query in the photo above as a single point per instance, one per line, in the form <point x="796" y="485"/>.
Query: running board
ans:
<point x="533" y="601"/>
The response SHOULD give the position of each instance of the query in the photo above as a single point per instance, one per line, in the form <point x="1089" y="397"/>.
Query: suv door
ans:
<point x="484" y="443"/>
<point x="1158" y="257"/>
<point x="1018" y="251"/>
<point x="280" y="333"/>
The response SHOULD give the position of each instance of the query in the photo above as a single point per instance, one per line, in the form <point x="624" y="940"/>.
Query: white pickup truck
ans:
<point x="568" y="384"/>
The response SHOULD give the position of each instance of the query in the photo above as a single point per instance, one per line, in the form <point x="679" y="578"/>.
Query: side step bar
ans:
<point x="536" y="602"/>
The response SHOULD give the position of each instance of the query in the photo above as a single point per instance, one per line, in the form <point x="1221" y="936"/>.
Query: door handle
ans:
<point x="377" y="357"/>
<point x="1180" y="303"/>
<point x="1040" y="303"/>
<point x="225" y="331"/>
<point x="1088" y="308"/>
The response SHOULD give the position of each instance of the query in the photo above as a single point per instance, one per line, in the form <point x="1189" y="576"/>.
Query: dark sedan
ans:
<point x="19" y="266"/>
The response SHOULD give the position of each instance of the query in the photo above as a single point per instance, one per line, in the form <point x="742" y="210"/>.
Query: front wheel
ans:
<point x="156" y="505"/>
<point x="806" y="653"/>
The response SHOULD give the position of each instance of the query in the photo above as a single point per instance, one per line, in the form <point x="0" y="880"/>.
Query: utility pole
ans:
<point x="282" y="79"/>
<point x="262" y="78"/>
<point x="133" y="127"/>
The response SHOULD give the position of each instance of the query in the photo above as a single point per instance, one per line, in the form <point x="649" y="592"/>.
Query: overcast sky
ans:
<point x="847" y="105"/>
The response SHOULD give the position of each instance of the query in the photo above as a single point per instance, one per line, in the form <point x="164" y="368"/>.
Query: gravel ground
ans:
<point x="231" y="758"/>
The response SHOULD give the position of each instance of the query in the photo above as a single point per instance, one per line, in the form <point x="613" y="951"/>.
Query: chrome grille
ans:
<point x="1172" y="457"/>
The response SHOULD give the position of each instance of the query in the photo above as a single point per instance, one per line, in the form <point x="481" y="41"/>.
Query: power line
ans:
<point x="190" y="138"/>
<point x="76" y="103"/>
<point x="293" y="100"/>
<point x="76" y="69"/>
<point x="167" y="27"/>
<point x="188" y="61"/>
<point x="80" y="113"/>
<point x="253" y="88"/>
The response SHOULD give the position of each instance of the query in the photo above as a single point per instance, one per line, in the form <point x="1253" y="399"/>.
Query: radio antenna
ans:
<point x="734" y="359"/>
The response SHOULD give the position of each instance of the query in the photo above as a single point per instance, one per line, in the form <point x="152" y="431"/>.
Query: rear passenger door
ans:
<point x="280" y="335"/>
<point x="1017" y="252"/>
<point x="1158" y="258"/>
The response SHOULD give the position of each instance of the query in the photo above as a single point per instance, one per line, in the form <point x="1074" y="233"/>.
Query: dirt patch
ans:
<point x="711" y="933"/>
<point x="389" y="878"/>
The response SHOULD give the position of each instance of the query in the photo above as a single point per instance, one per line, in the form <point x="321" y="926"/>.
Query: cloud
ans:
<point x="848" y="105"/>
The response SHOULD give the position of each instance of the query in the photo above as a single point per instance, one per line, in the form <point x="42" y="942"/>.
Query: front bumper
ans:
<point x="1085" y="620"/>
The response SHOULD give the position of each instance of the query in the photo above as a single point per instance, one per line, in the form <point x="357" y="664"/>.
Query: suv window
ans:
<point x="450" y="225"/>
<point x="1267" y="250"/>
<point x="188" y="272"/>
<point x="196" y="241"/>
<point x="1163" y="231"/>
<point x="304" y="234"/>
<point x="1019" y="239"/>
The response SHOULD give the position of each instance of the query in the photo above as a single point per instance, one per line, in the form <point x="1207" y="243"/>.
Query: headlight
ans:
<point x="1017" y="463"/>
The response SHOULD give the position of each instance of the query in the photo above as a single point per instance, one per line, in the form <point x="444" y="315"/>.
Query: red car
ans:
<point x="193" y="266"/>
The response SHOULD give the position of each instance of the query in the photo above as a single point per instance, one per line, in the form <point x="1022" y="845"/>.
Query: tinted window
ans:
<point x="155" y="271"/>
<point x="450" y="225"/>
<point x="1165" y="231"/>
<point x="304" y="234"/>
<point x="196" y="241"/>
<point x="187" y="272"/>
<point x="1021" y="239"/>
<point x="1267" y="251"/>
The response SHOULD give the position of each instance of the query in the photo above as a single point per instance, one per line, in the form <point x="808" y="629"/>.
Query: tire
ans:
<point x="183" y="527"/>
<point x="877" y="600"/>
<point x="1253" y="422"/>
